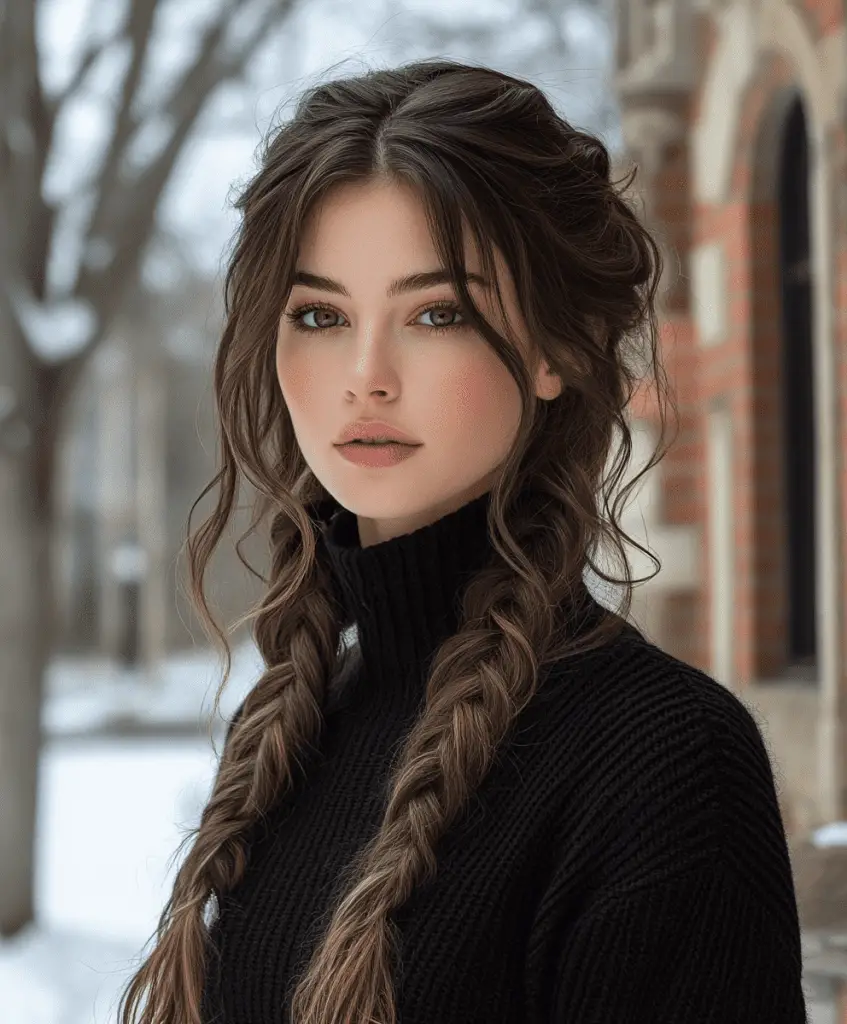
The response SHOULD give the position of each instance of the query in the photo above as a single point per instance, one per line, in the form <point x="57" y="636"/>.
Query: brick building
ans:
<point x="736" y="113"/>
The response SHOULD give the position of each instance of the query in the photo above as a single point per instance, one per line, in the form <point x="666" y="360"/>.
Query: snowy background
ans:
<point x="112" y="812"/>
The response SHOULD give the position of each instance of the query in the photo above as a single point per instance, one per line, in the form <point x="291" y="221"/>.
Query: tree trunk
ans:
<point x="27" y="620"/>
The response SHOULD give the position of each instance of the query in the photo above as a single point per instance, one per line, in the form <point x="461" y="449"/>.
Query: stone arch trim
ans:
<point x="764" y="108"/>
<point x="746" y="33"/>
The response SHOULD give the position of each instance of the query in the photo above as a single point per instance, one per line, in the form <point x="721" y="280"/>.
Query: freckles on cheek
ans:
<point x="295" y="380"/>
<point x="480" y="408"/>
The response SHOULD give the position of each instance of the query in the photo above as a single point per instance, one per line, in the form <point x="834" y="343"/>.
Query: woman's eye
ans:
<point x="320" y="324"/>
<point x="442" y="316"/>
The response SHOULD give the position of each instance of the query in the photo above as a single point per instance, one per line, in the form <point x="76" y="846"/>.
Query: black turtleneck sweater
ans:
<point x="624" y="861"/>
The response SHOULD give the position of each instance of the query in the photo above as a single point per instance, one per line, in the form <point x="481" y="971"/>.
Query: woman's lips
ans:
<point x="376" y="456"/>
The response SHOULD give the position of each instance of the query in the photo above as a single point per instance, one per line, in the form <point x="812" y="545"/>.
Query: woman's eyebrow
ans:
<point x="412" y="283"/>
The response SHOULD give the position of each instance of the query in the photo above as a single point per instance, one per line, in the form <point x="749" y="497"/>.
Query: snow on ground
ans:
<point x="112" y="813"/>
<point x="93" y="693"/>
<point x="832" y="834"/>
<point x="111" y="817"/>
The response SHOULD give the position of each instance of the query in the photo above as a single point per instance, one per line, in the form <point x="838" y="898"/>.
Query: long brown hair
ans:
<point x="486" y="150"/>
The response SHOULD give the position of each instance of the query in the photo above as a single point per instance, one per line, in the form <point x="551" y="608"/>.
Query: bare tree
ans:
<point x="46" y="339"/>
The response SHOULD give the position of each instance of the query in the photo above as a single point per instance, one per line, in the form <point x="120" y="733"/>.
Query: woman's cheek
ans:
<point x="485" y="404"/>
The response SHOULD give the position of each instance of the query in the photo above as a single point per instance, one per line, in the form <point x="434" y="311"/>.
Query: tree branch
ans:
<point x="25" y="130"/>
<point x="129" y="223"/>
<point x="133" y="221"/>
<point x="87" y="60"/>
<point x="138" y="29"/>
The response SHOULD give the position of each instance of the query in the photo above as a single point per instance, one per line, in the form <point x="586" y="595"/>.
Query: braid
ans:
<point x="280" y="718"/>
<point x="481" y="678"/>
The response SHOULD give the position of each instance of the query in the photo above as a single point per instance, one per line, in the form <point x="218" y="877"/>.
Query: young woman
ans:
<point x="502" y="804"/>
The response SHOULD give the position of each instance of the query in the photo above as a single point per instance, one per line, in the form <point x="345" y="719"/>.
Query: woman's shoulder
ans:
<point x="633" y="674"/>
<point x="661" y="742"/>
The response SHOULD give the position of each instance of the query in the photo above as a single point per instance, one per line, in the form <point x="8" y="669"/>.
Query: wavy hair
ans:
<point x="488" y="152"/>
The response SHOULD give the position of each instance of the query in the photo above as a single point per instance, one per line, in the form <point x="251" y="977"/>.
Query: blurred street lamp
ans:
<point x="129" y="565"/>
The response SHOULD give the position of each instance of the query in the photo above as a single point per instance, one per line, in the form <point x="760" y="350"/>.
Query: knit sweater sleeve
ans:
<point x="702" y="948"/>
<point x="686" y="908"/>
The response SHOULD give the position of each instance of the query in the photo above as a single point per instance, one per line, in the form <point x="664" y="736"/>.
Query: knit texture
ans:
<point x="623" y="862"/>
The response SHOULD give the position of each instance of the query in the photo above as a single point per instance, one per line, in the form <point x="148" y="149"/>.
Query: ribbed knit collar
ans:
<point x="404" y="594"/>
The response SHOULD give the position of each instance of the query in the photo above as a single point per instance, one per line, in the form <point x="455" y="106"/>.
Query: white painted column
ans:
<point x="676" y="546"/>
<point x="830" y="548"/>
<point x="151" y="498"/>
<point x="721" y="524"/>
<point x="116" y="500"/>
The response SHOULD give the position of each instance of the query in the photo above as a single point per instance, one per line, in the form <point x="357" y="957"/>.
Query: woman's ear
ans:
<point x="548" y="385"/>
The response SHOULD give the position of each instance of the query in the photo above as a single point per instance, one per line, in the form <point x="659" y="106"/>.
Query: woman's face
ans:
<point x="373" y="354"/>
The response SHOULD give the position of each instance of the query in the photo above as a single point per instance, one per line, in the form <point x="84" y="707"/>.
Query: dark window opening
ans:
<point x="798" y="396"/>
